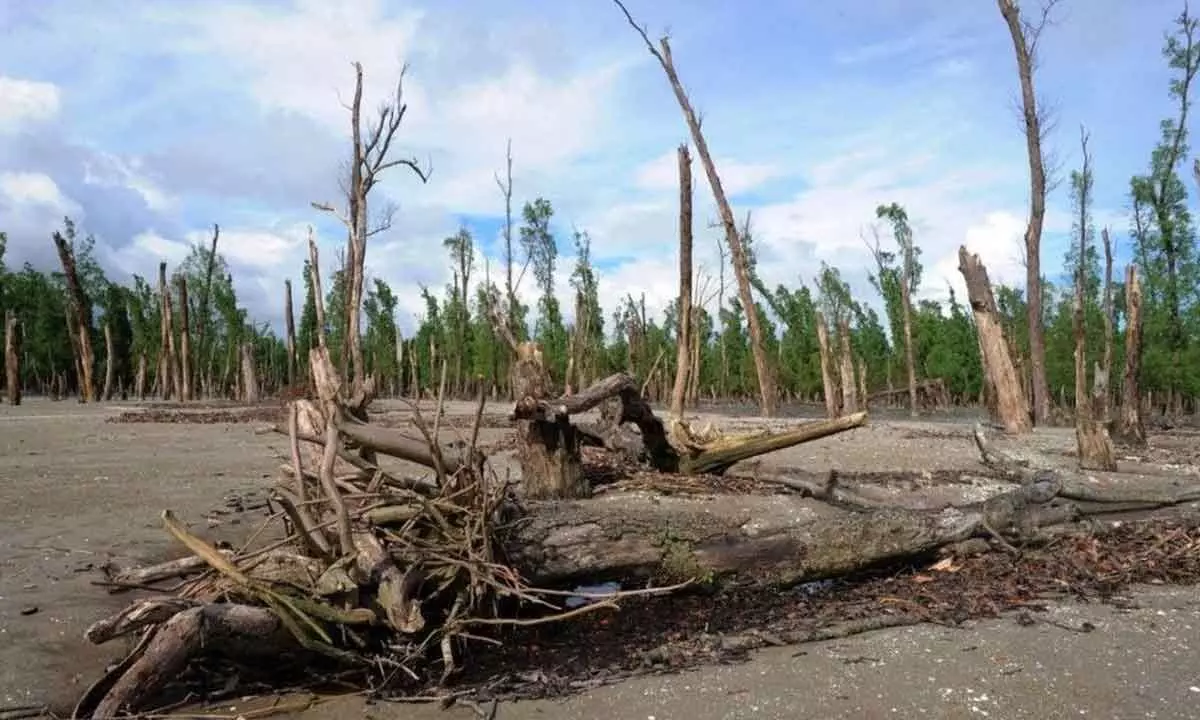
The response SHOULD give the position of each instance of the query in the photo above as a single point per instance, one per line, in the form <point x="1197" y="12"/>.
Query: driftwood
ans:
<point x="379" y="572"/>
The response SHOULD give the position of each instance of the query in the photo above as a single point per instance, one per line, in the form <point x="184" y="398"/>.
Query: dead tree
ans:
<point x="314" y="270"/>
<point x="109" y="363"/>
<point x="79" y="318"/>
<point x="828" y="384"/>
<point x="205" y="298"/>
<point x="370" y="158"/>
<point x="1025" y="37"/>
<point x="249" y="374"/>
<point x="12" y="357"/>
<point x="737" y="251"/>
<point x="1092" y="441"/>
<point x="683" y="338"/>
<point x="846" y="369"/>
<point x="185" y="342"/>
<point x="168" y="373"/>
<point x="1102" y="379"/>
<point x="289" y="319"/>
<point x="1012" y="407"/>
<point x="1131" y="430"/>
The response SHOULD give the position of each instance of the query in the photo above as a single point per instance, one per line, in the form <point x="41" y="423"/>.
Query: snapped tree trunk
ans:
<point x="906" y="303"/>
<point x="547" y="448"/>
<point x="249" y="374"/>
<point x="289" y="319"/>
<point x="683" y="340"/>
<point x="314" y="267"/>
<point x="1102" y="391"/>
<point x="203" y="342"/>
<point x="846" y="369"/>
<point x="1131" y="430"/>
<point x="185" y="342"/>
<point x="79" y="318"/>
<point x="109" y="361"/>
<point x="139" y="380"/>
<point x="1025" y="38"/>
<point x="862" y="382"/>
<point x="166" y="359"/>
<point x="12" y="357"/>
<point x="832" y="403"/>
<point x="733" y="239"/>
<point x="1011" y="405"/>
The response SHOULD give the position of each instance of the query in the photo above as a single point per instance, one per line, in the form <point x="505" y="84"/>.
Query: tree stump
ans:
<point x="547" y="447"/>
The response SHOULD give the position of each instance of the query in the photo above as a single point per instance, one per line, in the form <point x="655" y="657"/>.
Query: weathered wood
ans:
<point x="12" y="357"/>
<point x="1130" y="429"/>
<point x="1102" y="387"/>
<point x="79" y="315"/>
<point x="109" y="362"/>
<point x="1011" y="403"/>
<point x="186" y="391"/>
<point x="832" y="403"/>
<point x="239" y="631"/>
<point x="846" y="369"/>
<point x="683" y="337"/>
<point x="547" y="449"/>
<point x="318" y="296"/>
<point x="249" y="374"/>
<point x="289" y="320"/>
<point x="720" y="458"/>
<point x="166" y="339"/>
<point x="760" y="539"/>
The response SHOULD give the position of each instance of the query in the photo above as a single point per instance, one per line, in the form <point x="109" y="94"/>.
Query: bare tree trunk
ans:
<point x="862" y="382"/>
<point x="832" y="404"/>
<point x="139" y="380"/>
<point x="846" y="367"/>
<point x="79" y="317"/>
<point x="203" y="350"/>
<point x="683" y="340"/>
<point x="314" y="262"/>
<point x="249" y="374"/>
<point x="1103" y="386"/>
<point x="168" y="363"/>
<point x="289" y="319"/>
<point x="909" y="361"/>
<point x="1025" y="38"/>
<point x="399" y="364"/>
<point x="370" y="148"/>
<point x="1094" y="447"/>
<point x="1011" y="405"/>
<point x="1131" y="429"/>
<point x="185" y="343"/>
<point x="110" y="368"/>
<point x="12" y="357"/>
<point x="741" y="269"/>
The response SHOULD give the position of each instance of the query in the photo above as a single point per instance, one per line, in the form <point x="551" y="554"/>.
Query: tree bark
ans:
<point x="80" y="318"/>
<point x="139" y="380"/>
<point x="186" y="392"/>
<point x="12" y="357"/>
<point x="289" y="319"/>
<point x="109" y="364"/>
<point x="832" y="403"/>
<point x="737" y="251"/>
<point x="314" y="263"/>
<point x="862" y="383"/>
<point x="249" y="374"/>
<point x="166" y="352"/>
<point x="205" y="297"/>
<point x="906" y="303"/>
<point x="1103" y="390"/>
<point x="1024" y="39"/>
<point x="547" y="448"/>
<point x="1131" y="429"/>
<point x="683" y="340"/>
<point x="1012" y="407"/>
<point x="1091" y="438"/>
<point x="846" y="369"/>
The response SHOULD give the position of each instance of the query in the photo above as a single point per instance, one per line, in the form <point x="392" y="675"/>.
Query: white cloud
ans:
<point x="662" y="173"/>
<point x="25" y="102"/>
<point x="34" y="190"/>
<point x="109" y="170"/>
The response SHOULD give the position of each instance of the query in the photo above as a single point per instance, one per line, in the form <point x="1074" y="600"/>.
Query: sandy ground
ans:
<point x="78" y="492"/>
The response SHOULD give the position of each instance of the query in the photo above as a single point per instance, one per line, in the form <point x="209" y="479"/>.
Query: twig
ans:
<point x="293" y="431"/>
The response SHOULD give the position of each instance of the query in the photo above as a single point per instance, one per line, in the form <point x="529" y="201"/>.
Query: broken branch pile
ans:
<point x="391" y="576"/>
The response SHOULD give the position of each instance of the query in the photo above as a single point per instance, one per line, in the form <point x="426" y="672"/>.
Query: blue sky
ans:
<point x="148" y="122"/>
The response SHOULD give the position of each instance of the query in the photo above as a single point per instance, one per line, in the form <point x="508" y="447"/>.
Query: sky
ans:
<point x="147" y="123"/>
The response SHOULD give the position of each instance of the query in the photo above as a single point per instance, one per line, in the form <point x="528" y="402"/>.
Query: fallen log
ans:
<point x="678" y="449"/>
